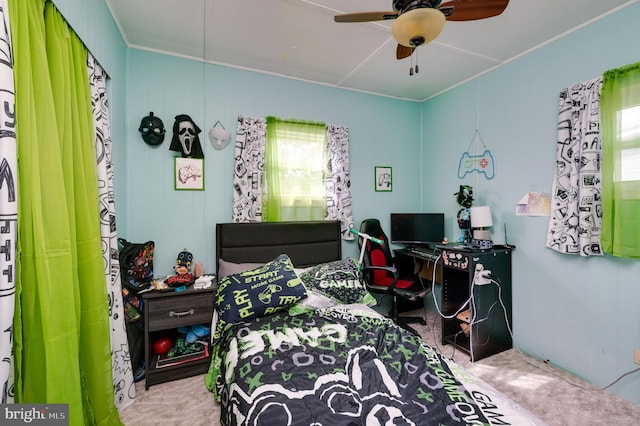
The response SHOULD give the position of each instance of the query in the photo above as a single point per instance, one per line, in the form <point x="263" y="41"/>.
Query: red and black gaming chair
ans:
<point x="381" y="275"/>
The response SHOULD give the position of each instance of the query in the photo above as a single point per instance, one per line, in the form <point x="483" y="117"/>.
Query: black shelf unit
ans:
<point x="489" y="317"/>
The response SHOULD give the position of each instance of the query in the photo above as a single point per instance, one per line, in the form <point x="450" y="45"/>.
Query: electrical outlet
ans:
<point x="636" y="356"/>
<point x="482" y="277"/>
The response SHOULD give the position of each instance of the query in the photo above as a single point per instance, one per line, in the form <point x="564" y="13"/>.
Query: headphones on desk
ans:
<point x="464" y="218"/>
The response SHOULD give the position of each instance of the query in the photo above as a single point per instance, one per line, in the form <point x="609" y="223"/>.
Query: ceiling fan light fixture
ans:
<point x="418" y="26"/>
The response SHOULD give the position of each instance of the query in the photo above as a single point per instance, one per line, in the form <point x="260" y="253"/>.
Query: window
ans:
<point x="271" y="175"/>
<point x="294" y="187"/>
<point x="620" y="125"/>
<point x="629" y="119"/>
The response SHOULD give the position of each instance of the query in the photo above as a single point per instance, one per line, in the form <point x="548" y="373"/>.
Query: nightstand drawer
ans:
<point x="173" y="312"/>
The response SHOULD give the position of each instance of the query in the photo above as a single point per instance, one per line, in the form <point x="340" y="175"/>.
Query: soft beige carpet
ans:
<point x="542" y="389"/>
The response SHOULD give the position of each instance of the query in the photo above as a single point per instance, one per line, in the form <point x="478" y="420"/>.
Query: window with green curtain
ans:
<point x="620" y="129"/>
<point x="294" y="188"/>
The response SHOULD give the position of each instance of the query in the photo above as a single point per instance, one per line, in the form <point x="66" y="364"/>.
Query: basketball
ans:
<point x="162" y="345"/>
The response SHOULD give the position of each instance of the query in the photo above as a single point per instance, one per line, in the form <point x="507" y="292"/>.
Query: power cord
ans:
<point x="572" y="383"/>
<point x="435" y="261"/>
<point x="496" y="281"/>
<point x="455" y="343"/>
<point x="435" y="303"/>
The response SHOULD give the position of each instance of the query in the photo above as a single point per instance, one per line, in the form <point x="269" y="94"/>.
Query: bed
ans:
<point x="295" y="341"/>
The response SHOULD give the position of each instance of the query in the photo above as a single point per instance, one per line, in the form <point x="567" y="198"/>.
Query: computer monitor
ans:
<point x="417" y="228"/>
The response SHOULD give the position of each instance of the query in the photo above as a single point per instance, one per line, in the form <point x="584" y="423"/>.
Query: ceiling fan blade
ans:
<point x="365" y="17"/>
<point x="404" y="51"/>
<point x="469" y="10"/>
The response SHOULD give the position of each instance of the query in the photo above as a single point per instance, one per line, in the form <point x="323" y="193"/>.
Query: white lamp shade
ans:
<point x="481" y="217"/>
<point x="418" y="26"/>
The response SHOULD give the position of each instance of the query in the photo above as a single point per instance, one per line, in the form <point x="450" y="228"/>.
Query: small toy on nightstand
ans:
<point x="205" y="281"/>
<point x="183" y="276"/>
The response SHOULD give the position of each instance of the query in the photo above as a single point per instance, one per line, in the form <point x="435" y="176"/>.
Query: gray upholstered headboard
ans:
<point x="306" y="243"/>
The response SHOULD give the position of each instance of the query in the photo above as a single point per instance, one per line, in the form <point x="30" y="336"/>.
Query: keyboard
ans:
<point x="461" y="247"/>
<point x="425" y="253"/>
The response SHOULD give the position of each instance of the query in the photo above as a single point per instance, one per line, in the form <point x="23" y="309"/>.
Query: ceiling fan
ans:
<point x="417" y="22"/>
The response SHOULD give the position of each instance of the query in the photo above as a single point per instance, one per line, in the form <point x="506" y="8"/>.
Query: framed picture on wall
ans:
<point x="383" y="181"/>
<point x="189" y="173"/>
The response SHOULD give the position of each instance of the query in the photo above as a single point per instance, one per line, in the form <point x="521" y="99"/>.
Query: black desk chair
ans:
<point x="381" y="275"/>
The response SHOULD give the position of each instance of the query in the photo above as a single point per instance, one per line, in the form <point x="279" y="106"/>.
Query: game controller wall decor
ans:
<point x="472" y="162"/>
<point x="383" y="180"/>
<point x="482" y="164"/>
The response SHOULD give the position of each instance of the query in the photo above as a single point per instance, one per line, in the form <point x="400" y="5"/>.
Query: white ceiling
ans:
<point x="299" y="39"/>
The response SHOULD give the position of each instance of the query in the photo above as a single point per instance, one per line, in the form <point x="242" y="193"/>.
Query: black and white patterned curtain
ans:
<point x="123" y="383"/>
<point x="575" y="223"/>
<point x="339" y="179"/>
<point x="8" y="207"/>
<point x="249" y="168"/>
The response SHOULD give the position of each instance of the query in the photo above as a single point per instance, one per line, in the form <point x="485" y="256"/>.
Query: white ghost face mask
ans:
<point x="186" y="135"/>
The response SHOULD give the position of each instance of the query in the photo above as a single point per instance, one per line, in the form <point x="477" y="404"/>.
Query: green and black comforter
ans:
<point x="344" y="367"/>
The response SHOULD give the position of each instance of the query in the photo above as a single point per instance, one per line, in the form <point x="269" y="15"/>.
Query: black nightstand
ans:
<point x="166" y="311"/>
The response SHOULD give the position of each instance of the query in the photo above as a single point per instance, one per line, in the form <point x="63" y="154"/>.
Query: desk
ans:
<point x="412" y="261"/>
<point x="482" y="327"/>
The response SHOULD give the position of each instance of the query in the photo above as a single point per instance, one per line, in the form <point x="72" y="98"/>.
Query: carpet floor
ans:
<point x="554" y="396"/>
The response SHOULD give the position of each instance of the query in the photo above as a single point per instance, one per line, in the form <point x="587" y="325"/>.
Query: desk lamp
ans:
<point x="481" y="219"/>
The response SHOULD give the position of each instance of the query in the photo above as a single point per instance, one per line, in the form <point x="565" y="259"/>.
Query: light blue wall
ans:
<point x="581" y="314"/>
<point x="382" y="131"/>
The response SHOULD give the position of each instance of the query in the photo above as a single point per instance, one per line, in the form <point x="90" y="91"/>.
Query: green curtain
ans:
<point x="620" y="195"/>
<point x="62" y="348"/>
<point x="295" y="170"/>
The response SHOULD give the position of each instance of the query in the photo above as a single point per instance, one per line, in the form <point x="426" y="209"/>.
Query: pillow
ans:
<point x="357" y="309"/>
<point x="269" y="288"/>
<point x="316" y="300"/>
<point x="298" y="271"/>
<point x="338" y="280"/>
<point x="227" y="268"/>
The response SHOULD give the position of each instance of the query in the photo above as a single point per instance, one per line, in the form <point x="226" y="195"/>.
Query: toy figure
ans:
<point x="464" y="197"/>
<point x="183" y="275"/>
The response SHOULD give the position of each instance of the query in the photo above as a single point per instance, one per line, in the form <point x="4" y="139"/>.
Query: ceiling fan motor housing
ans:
<point x="418" y="22"/>
<point x="418" y="26"/>
<point x="402" y="6"/>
